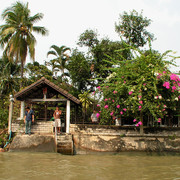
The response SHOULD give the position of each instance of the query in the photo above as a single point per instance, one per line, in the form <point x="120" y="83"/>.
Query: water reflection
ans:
<point x="125" y="166"/>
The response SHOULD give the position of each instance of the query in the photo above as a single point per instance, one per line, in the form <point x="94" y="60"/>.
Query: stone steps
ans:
<point x="65" y="144"/>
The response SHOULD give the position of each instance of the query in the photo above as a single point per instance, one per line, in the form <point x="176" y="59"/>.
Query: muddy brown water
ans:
<point x="96" y="166"/>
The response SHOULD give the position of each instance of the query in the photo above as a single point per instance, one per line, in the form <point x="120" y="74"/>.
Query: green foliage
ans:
<point x="35" y="71"/>
<point x="4" y="107"/>
<point x="133" y="28"/>
<point x="61" y="59"/>
<point x="137" y="87"/>
<point x="79" y="71"/>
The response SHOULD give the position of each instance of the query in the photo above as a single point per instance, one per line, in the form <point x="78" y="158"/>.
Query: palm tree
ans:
<point x="61" y="58"/>
<point x="16" y="34"/>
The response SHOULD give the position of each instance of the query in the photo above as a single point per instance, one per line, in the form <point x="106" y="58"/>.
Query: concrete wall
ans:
<point x="117" y="138"/>
<point x="38" y="127"/>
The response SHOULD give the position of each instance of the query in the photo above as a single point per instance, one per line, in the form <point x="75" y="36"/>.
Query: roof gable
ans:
<point x="35" y="90"/>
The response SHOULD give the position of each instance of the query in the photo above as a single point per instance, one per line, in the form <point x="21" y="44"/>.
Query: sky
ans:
<point x="67" y="19"/>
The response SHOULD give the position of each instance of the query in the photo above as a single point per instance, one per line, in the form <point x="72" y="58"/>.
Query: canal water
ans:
<point x="102" y="166"/>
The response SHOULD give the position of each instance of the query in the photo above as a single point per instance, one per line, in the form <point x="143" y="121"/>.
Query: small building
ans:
<point x="43" y="96"/>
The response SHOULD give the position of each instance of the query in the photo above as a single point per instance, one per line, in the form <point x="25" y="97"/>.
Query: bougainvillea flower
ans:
<point x="109" y="98"/>
<point x="93" y="93"/>
<point x="140" y="107"/>
<point x="111" y="113"/>
<point x="130" y="92"/>
<point x="98" y="105"/>
<point x="106" y="99"/>
<point x="124" y="82"/>
<point x="124" y="109"/>
<point x="99" y="111"/>
<point x="141" y="102"/>
<point x="174" y="77"/>
<point x="121" y="112"/>
<point x="106" y="106"/>
<point x="97" y="115"/>
<point x="134" y="120"/>
<point x="113" y="100"/>
<point x="174" y="88"/>
<point x="118" y="106"/>
<point x="99" y="87"/>
<point x="159" y="119"/>
<point x="115" y="92"/>
<point x="144" y="84"/>
<point x="140" y="123"/>
<point x="166" y="85"/>
<point x="137" y="124"/>
<point x="164" y="72"/>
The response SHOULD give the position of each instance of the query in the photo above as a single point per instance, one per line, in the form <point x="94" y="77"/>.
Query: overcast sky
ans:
<point x="67" y="19"/>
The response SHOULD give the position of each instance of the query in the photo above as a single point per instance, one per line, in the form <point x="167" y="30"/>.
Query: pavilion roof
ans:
<point x="35" y="90"/>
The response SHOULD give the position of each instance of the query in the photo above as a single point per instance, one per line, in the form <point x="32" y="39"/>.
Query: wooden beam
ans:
<point x="47" y="100"/>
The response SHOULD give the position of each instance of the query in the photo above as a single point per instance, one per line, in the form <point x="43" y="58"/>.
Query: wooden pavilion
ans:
<point x="45" y="94"/>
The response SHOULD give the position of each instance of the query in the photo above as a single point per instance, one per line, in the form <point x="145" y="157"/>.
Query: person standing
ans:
<point x="94" y="118"/>
<point x="56" y="115"/>
<point x="28" y="119"/>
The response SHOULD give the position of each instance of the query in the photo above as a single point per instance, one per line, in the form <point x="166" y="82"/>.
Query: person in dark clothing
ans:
<point x="28" y="119"/>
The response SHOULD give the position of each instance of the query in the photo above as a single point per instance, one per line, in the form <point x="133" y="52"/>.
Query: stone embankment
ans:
<point x="117" y="138"/>
<point x="34" y="142"/>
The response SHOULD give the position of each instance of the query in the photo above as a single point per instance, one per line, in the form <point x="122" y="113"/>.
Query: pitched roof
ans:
<point x="35" y="90"/>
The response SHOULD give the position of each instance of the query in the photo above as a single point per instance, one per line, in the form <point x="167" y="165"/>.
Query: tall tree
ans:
<point x="61" y="58"/>
<point x="133" y="28"/>
<point x="16" y="34"/>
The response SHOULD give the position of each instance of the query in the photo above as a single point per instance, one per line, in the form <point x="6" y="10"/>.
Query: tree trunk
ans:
<point x="22" y="75"/>
<point x="141" y="127"/>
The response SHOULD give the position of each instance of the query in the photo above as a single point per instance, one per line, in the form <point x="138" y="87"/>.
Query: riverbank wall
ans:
<point x="119" y="138"/>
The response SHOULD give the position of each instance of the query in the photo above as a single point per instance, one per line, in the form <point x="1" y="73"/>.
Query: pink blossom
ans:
<point x="140" y="107"/>
<point x="140" y="97"/>
<point x="174" y="77"/>
<point x="97" y="115"/>
<point x="174" y="88"/>
<point x="118" y="106"/>
<point x="163" y="109"/>
<point x="111" y="113"/>
<point x="113" y="100"/>
<point x="122" y="77"/>
<point x="165" y="106"/>
<point x="121" y="112"/>
<point x="99" y="87"/>
<point x="93" y="93"/>
<point x="109" y="98"/>
<point x="134" y="120"/>
<point x="141" y="102"/>
<point x="124" y="82"/>
<point x="140" y="123"/>
<point x="158" y="77"/>
<point x="106" y="99"/>
<point x="98" y="105"/>
<point x="106" y="106"/>
<point x="164" y="72"/>
<point x="159" y="119"/>
<point x="99" y="111"/>
<point x="166" y="85"/>
<point x="144" y="84"/>
<point x="130" y="92"/>
<point x="124" y="109"/>
<point x="137" y="124"/>
<point x="114" y="92"/>
<point x="107" y="86"/>
<point x="178" y="84"/>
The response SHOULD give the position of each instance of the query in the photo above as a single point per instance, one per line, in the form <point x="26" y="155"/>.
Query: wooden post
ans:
<point x="10" y="114"/>
<point x="22" y="112"/>
<point x="46" y="106"/>
<point x="67" y="116"/>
